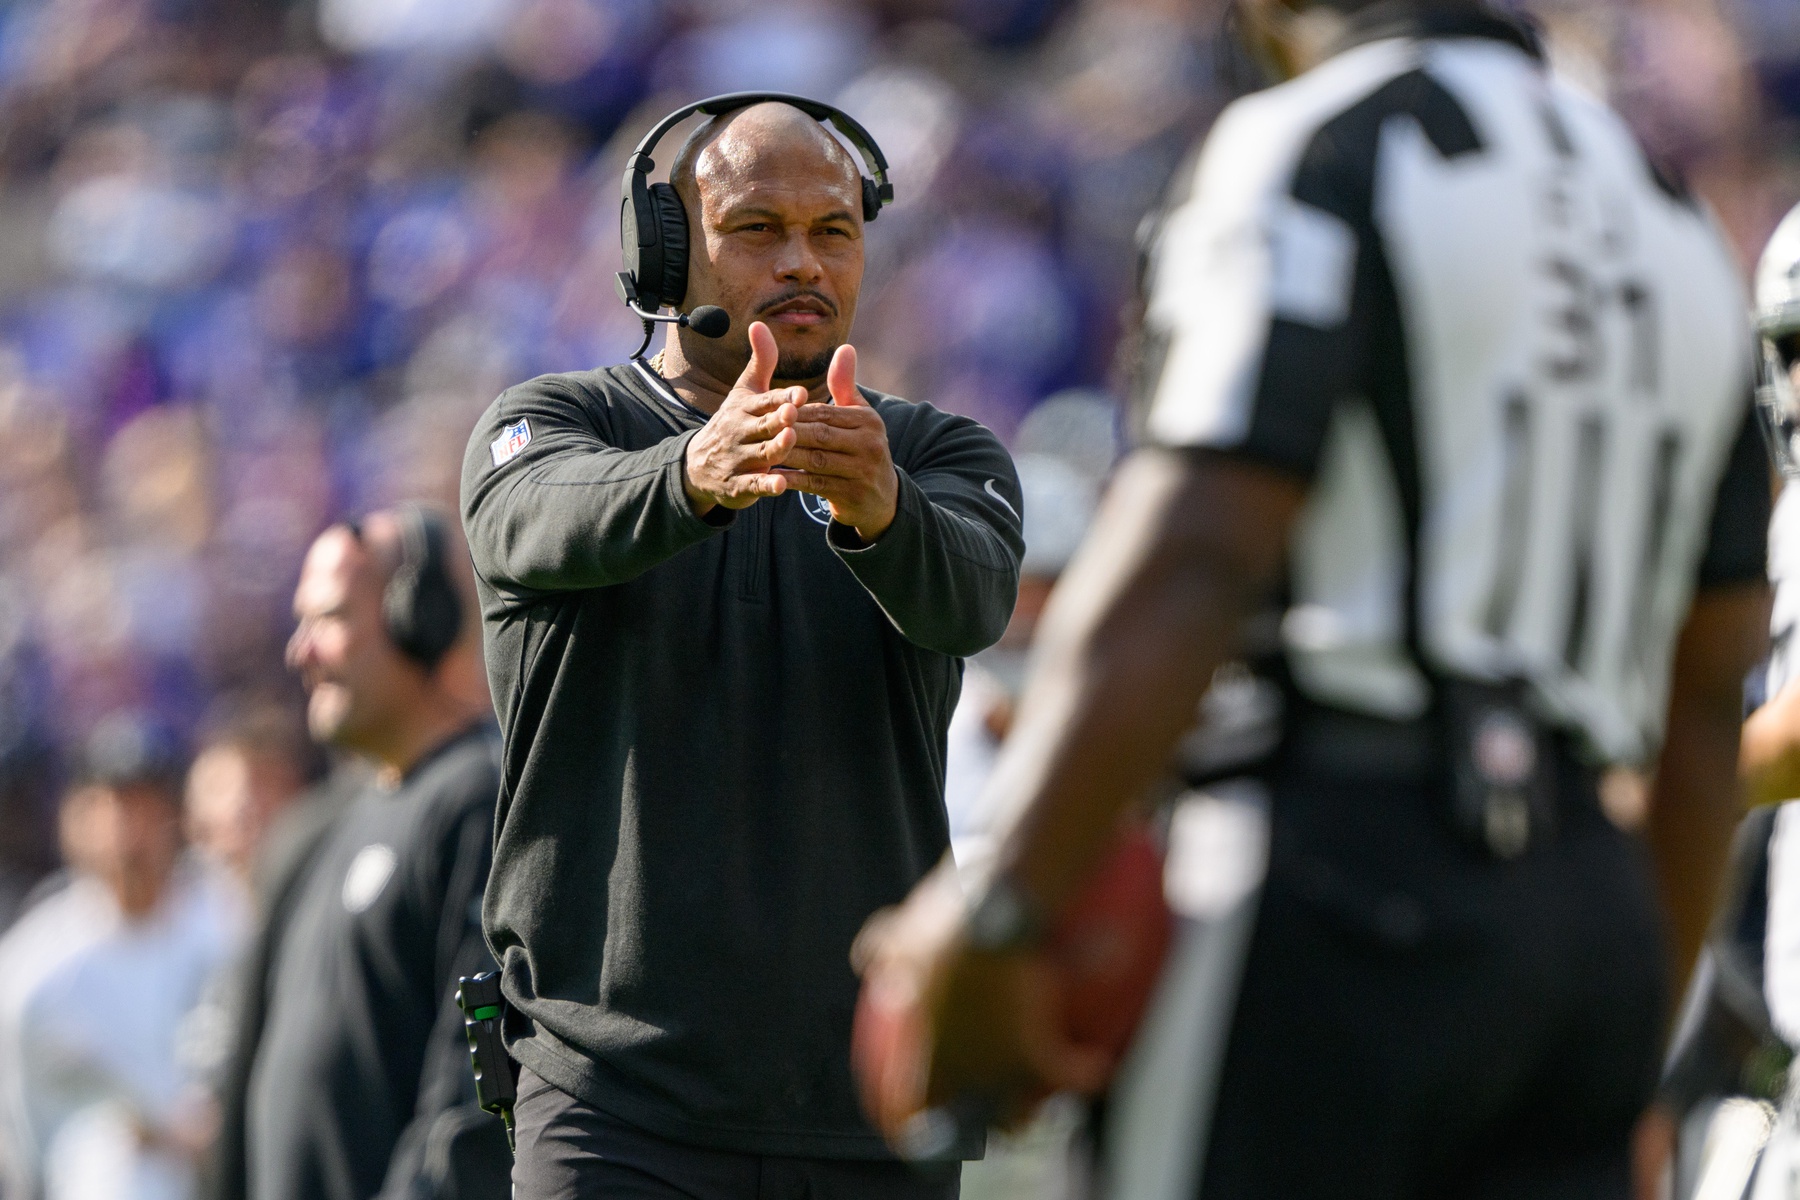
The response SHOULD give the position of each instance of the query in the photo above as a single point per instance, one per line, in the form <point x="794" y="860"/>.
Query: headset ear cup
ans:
<point x="421" y="606"/>
<point x="437" y="615"/>
<point x="871" y="199"/>
<point x="642" y="263"/>
<point x="398" y="608"/>
<point x="672" y="231"/>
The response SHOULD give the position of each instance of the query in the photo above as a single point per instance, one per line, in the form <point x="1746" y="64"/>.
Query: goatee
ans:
<point x="790" y="369"/>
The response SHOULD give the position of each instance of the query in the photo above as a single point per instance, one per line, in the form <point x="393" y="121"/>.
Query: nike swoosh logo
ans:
<point x="991" y="490"/>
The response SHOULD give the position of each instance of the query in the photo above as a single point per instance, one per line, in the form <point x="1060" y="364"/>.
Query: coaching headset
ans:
<point x="420" y="605"/>
<point x="653" y="223"/>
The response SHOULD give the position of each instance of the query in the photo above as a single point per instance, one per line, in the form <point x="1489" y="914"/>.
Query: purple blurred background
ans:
<point x="262" y="263"/>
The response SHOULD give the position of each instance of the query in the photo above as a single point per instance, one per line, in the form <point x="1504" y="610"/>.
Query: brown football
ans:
<point x="1107" y="948"/>
<point x="1110" y="944"/>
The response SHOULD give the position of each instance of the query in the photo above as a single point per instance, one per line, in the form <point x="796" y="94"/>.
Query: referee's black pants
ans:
<point x="570" y="1150"/>
<point x="1418" y="1020"/>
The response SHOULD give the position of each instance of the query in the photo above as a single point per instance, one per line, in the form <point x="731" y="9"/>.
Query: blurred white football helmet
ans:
<point x="1778" y="324"/>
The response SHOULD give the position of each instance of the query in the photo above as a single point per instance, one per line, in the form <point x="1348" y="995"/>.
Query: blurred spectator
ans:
<point x="253" y="762"/>
<point x="27" y="803"/>
<point x="252" y="769"/>
<point x="97" y="1098"/>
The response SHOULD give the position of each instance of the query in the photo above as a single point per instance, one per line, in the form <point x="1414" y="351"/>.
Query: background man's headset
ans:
<point x="420" y="604"/>
<point x="653" y="222"/>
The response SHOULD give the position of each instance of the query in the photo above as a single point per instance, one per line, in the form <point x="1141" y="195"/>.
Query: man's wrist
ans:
<point x="698" y="501"/>
<point x="1004" y="918"/>
<point x="870" y="531"/>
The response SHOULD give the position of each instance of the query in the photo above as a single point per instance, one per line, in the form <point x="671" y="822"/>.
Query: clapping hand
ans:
<point x="729" y="462"/>
<point x="841" y="454"/>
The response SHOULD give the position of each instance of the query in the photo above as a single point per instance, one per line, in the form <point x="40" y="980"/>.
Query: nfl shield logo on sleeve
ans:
<point x="512" y="439"/>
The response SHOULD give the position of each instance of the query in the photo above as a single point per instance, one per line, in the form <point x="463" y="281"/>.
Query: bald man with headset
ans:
<point x="727" y="593"/>
<point x="350" y="1079"/>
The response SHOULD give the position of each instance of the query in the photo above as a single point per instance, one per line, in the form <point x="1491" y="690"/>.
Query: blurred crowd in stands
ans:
<point x="262" y="262"/>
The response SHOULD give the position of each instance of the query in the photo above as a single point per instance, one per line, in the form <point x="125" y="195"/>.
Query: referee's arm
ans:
<point x="1154" y="603"/>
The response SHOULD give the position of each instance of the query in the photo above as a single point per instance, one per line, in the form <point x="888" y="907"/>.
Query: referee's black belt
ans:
<point x="1336" y="743"/>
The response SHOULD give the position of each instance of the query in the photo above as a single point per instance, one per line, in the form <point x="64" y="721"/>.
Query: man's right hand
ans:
<point x="730" y="461"/>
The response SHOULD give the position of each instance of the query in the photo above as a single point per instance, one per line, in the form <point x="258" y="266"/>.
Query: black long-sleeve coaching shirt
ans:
<point x="358" y="1083"/>
<point x="724" y="748"/>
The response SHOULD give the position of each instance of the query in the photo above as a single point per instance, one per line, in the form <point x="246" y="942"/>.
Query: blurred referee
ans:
<point x="1440" y="363"/>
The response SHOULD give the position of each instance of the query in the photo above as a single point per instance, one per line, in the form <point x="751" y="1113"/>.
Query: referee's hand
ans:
<point x="729" y="461"/>
<point x="974" y="1024"/>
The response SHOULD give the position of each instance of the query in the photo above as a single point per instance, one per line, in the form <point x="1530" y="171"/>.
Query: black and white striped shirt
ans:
<point x="1511" y="359"/>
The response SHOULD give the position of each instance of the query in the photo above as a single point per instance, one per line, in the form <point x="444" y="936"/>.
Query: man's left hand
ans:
<point x="842" y="454"/>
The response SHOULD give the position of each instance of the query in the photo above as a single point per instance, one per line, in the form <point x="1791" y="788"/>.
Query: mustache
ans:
<point x="796" y="294"/>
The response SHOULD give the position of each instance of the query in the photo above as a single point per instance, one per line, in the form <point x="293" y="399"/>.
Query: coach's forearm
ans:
<point x="1130" y="642"/>
<point x="582" y="516"/>
<point x="947" y="581"/>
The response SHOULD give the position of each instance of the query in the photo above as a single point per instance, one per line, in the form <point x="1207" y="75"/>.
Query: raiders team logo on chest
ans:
<point x="816" y="507"/>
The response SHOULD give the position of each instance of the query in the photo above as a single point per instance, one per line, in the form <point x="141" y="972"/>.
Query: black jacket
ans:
<point x="352" y="1078"/>
<point x="724" y="748"/>
<point x="281" y="865"/>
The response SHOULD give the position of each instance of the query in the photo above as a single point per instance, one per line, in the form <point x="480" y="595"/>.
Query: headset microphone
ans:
<point x="707" y="320"/>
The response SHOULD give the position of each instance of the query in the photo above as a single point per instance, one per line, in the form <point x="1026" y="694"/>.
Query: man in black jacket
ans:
<point x="725" y="705"/>
<point x="351" y="1078"/>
